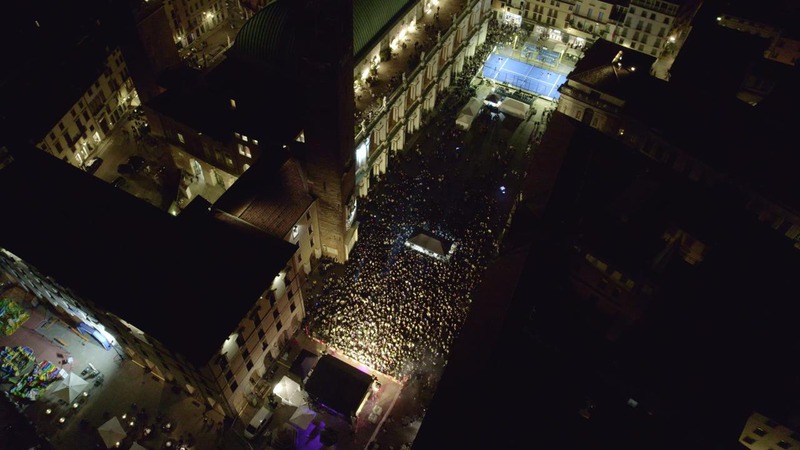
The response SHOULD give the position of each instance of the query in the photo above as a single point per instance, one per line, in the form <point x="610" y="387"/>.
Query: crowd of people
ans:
<point x="395" y="309"/>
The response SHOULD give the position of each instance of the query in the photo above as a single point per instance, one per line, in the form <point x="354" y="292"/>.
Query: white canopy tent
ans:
<point x="112" y="432"/>
<point x="514" y="108"/>
<point x="302" y="417"/>
<point x="468" y="113"/>
<point x="70" y="387"/>
<point x="431" y="245"/>
<point x="290" y="392"/>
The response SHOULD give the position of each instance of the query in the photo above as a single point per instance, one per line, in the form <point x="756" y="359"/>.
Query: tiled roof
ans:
<point x="269" y="198"/>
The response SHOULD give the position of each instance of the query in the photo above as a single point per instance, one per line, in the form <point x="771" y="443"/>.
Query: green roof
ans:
<point x="370" y="17"/>
<point x="269" y="34"/>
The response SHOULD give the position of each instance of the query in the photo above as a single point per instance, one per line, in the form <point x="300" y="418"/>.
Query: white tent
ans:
<point x="468" y="113"/>
<point x="70" y="387"/>
<point x="289" y="392"/>
<point x="430" y="245"/>
<point x="112" y="432"/>
<point x="302" y="417"/>
<point x="514" y="107"/>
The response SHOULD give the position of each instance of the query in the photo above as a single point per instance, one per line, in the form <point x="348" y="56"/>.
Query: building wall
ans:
<point x="259" y="339"/>
<point x="76" y="136"/>
<point x="648" y="25"/>
<point x="204" y="159"/>
<point x="762" y="433"/>
<point x="306" y="235"/>
<point x="613" y="295"/>
<point x="594" y="17"/>
<point x="190" y="20"/>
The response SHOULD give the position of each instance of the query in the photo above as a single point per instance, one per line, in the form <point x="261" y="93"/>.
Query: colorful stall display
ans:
<point x="32" y="386"/>
<point x="11" y="316"/>
<point x="15" y="363"/>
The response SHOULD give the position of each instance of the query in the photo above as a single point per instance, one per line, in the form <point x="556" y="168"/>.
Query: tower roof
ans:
<point x="270" y="35"/>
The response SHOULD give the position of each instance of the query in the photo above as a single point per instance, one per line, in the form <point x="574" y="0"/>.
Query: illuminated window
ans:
<point x="237" y="135"/>
<point x="181" y="139"/>
<point x="255" y="141"/>
<point x="245" y="151"/>
<point x="233" y="104"/>
<point x="295" y="231"/>
<point x="244" y="138"/>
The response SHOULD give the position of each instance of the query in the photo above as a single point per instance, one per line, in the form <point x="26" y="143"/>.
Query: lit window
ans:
<point x="233" y="104"/>
<point x="244" y="151"/>
<point x="237" y="135"/>
<point x="244" y="138"/>
<point x="295" y="231"/>
<point x="255" y="141"/>
<point x="180" y="138"/>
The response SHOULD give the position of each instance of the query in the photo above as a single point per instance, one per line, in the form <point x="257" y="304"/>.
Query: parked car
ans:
<point x="258" y="422"/>
<point x="119" y="182"/>
<point x="93" y="164"/>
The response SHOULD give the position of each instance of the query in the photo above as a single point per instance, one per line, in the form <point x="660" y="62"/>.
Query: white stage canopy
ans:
<point x="514" y="108"/>
<point x="290" y="392"/>
<point x="302" y="417"/>
<point x="112" y="432"/>
<point x="468" y="113"/>
<point x="431" y="245"/>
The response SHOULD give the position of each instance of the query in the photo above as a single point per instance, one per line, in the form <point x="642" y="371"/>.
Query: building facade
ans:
<point x="383" y="127"/>
<point x="259" y="340"/>
<point x="76" y="136"/>
<point x="648" y="26"/>
<point x="762" y="433"/>
<point x="190" y="20"/>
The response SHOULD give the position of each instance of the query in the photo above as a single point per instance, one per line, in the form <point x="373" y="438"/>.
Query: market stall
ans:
<point x="11" y="316"/>
<point x="15" y="363"/>
<point x="33" y="385"/>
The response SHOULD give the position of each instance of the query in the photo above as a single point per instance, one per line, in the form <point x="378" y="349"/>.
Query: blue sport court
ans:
<point x="523" y="76"/>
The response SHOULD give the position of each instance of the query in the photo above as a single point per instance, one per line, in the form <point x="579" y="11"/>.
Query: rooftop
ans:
<point x="134" y="260"/>
<point x="613" y="69"/>
<point x="270" y="198"/>
<point x="267" y="114"/>
<point x="338" y="385"/>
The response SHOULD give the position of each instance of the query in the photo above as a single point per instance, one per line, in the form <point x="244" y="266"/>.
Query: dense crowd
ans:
<point x="395" y="309"/>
